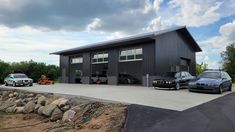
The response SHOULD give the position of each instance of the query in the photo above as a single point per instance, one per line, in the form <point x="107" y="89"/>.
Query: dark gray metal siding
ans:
<point x="148" y="59"/>
<point x="170" y="48"/>
<point x="64" y="67"/>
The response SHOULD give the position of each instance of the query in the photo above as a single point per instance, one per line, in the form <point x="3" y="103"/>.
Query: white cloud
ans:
<point x="212" y="47"/>
<point x="94" y="25"/>
<point x="155" y="25"/>
<point x="194" y="13"/>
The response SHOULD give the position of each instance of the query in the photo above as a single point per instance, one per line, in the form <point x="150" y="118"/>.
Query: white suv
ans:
<point x="18" y="79"/>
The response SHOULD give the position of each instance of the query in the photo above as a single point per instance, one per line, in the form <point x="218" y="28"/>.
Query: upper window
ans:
<point x="100" y="58"/>
<point x="77" y="60"/>
<point x="131" y="54"/>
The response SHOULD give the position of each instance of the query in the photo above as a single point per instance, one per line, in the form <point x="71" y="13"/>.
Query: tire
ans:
<point x="6" y="84"/>
<point x="177" y="86"/>
<point x="31" y="84"/>
<point x="220" y="90"/>
<point x="230" y="88"/>
<point x="14" y="84"/>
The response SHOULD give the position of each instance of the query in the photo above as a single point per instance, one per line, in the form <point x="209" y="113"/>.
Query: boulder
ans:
<point x="60" y="102"/>
<point x="29" y="107"/>
<point x="11" y="95"/>
<point x="19" y="109"/>
<point x="48" y="109"/>
<point x="5" y="105"/>
<point x="57" y="114"/>
<point x="30" y="95"/>
<point x="21" y="95"/>
<point x="65" y="108"/>
<point x="68" y="115"/>
<point x="19" y="102"/>
<point x="40" y="109"/>
<point x="15" y="94"/>
<point x="37" y="107"/>
<point x="5" y="95"/>
<point x="11" y="109"/>
<point x="41" y="100"/>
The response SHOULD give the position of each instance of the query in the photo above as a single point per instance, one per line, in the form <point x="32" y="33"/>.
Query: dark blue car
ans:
<point x="211" y="81"/>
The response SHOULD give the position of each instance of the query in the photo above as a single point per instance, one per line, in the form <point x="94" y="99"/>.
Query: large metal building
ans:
<point x="133" y="60"/>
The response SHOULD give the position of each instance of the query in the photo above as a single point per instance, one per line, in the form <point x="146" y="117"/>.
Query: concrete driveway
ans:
<point x="174" y="100"/>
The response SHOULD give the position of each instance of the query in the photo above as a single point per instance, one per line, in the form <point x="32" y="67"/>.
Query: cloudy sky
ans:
<point x="31" y="29"/>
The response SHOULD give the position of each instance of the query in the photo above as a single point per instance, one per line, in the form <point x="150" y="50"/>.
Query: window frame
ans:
<point x="100" y="55"/>
<point x="131" y="52"/>
<point x="79" y="60"/>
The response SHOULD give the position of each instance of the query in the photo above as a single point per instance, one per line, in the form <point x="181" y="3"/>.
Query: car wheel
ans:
<point x="6" y="84"/>
<point x="14" y="84"/>
<point x="230" y="88"/>
<point x="220" y="90"/>
<point x="177" y="86"/>
<point x="31" y="84"/>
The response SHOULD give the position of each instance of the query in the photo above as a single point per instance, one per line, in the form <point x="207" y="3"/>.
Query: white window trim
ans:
<point x="96" y="56"/>
<point x="79" y="62"/>
<point x="134" y="53"/>
<point x="130" y="60"/>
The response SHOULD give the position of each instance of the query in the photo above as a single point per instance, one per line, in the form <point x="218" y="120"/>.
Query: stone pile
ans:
<point x="55" y="108"/>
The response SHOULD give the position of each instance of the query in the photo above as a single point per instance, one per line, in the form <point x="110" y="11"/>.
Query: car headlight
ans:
<point x="191" y="83"/>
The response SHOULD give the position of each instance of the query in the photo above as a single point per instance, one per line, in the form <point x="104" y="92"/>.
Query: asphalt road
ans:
<point x="214" y="116"/>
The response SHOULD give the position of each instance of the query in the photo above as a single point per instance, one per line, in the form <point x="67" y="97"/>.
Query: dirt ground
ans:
<point x="111" y="120"/>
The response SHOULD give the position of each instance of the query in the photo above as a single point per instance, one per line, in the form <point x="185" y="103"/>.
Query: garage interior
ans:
<point x="130" y="66"/>
<point x="99" y="68"/>
<point x="76" y="70"/>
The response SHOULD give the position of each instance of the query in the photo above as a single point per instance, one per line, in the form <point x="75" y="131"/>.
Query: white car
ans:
<point x="18" y="79"/>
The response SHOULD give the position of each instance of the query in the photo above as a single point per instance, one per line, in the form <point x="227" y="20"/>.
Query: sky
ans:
<point x="31" y="29"/>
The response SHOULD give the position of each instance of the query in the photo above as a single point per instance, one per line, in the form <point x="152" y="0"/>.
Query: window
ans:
<point x="100" y="58"/>
<point x="77" y="60"/>
<point x="131" y="54"/>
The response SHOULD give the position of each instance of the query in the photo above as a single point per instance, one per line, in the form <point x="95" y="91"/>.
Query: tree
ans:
<point x="4" y="70"/>
<point x="200" y="68"/>
<point x="228" y="60"/>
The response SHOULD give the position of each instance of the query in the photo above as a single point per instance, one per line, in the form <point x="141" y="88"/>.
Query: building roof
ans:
<point x="146" y="37"/>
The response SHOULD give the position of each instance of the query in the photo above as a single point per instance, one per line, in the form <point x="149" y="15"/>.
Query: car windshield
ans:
<point x="213" y="75"/>
<point x="169" y="74"/>
<point x="20" y="76"/>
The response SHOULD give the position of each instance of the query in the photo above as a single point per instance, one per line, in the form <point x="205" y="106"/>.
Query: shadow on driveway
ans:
<point x="214" y="116"/>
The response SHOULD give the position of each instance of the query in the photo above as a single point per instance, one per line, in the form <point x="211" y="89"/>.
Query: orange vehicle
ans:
<point x="45" y="81"/>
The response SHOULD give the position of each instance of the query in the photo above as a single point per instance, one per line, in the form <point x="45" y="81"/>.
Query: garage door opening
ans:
<point x="99" y="68"/>
<point x="76" y="70"/>
<point x="130" y="66"/>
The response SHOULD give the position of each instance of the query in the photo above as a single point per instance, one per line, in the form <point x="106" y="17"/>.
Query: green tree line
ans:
<point x="228" y="60"/>
<point x="31" y="68"/>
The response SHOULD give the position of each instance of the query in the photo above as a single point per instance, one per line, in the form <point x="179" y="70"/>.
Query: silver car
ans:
<point x="18" y="79"/>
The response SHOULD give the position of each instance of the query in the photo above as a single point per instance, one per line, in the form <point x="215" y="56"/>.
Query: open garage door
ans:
<point x="99" y="68"/>
<point x="130" y="72"/>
